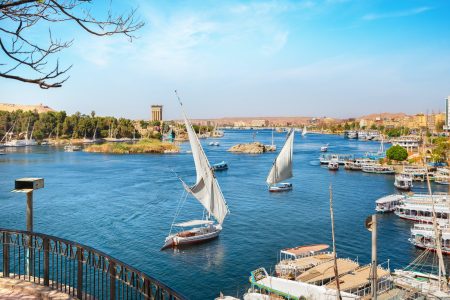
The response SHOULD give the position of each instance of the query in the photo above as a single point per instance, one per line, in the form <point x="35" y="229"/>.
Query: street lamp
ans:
<point x="28" y="185"/>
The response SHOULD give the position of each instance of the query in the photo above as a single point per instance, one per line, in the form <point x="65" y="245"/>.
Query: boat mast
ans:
<point x="336" y="273"/>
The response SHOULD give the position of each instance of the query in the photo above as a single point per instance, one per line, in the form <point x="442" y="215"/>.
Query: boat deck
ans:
<point x="358" y="278"/>
<point x="308" y="262"/>
<point x="325" y="272"/>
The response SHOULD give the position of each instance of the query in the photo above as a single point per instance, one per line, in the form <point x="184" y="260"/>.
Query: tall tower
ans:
<point x="157" y="113"/>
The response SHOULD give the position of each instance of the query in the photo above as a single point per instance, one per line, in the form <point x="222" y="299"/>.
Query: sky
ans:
<point x="336" y="58"/>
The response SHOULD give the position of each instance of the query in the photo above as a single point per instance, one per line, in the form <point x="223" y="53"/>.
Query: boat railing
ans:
<point x="75" y="269"/>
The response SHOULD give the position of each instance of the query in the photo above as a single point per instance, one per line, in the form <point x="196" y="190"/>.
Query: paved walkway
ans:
<point x="19" y="289"/>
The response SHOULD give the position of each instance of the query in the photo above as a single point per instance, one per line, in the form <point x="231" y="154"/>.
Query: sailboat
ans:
<point x="207" y="191"/>
<point x="381" y="153"/>
<point x="282" y="167"/>
<point x="304" y="132"/>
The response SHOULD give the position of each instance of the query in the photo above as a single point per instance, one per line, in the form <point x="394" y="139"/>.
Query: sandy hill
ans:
<point x="384" y="115"/>
<point x="40" y="108"/>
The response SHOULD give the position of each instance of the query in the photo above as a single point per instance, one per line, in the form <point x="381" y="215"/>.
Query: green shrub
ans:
<point x="397" y="153"/>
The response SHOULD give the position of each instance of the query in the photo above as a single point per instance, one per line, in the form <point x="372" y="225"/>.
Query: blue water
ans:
<point x="124" y="205"/>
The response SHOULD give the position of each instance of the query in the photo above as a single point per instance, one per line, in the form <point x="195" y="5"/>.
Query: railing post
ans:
<point x="46" y="243"/>
<point x="147" y="289"/>
<point x="80" y="273"/>
<point x="112" y="280"/>
<point x="6" y="254"/>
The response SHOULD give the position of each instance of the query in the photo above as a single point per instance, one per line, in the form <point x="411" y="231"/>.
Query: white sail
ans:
<point x="206" y="189"/>
<point x="282" y="166"/>
<point x="304" y="130"/>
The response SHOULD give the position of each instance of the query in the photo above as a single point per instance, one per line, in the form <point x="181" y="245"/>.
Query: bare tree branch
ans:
<point x="25" y="55"/>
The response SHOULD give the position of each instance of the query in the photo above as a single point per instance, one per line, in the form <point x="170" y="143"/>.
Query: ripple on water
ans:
<point x="124" y="205"/>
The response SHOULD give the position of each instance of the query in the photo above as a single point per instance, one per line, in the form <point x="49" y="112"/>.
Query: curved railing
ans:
<point x="75" y="269"/>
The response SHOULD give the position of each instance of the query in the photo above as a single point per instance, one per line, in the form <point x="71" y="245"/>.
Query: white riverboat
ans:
<point x="351" y="134"/>
<point x="388" y="203"/>
<point x="282" y="167"/>
<point x="340" y="158"/>
<point x="403" y="182"/>
<point x="423" y="236"/>
<point x="378" y="169"/>
<point x="417" y="173"/>
<point x="294" y="261"/>
<point x="295" y="290"/>
<point x="419" y="208"/>
<point x="442" y="176"/>
<point x="207" y="191"/>
<point x="357" y="164"/>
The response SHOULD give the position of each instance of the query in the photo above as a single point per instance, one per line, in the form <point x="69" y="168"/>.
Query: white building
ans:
<point x="447" y="114"/>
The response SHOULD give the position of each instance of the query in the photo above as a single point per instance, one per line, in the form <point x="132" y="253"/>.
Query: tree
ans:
<point x="30" y="61"/>
<point x="397" y="153"/>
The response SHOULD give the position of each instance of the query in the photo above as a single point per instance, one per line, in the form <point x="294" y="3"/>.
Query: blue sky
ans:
<point x="338" y="58"/>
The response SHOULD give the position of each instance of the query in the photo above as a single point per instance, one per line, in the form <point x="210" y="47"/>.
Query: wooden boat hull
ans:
<point x="281" y="188"/>
<point x="189" y="238"/>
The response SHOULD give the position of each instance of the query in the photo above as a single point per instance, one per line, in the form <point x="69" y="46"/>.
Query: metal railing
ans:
<point x="75" y="269"/>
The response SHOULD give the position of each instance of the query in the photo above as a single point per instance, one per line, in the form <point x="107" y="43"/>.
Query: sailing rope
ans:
<point x="183" y="198"/>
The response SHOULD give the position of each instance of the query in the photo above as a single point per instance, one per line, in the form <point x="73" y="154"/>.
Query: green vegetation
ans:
<point x="60" y="125"/>
<point x="397" y="153"/>
<point x="396" y="132"/>
<point x="143" y="146"/>
<point x="441" y="150"/>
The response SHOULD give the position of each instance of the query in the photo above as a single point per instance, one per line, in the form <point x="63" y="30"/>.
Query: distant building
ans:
<point x="259" y="123"/>
<point x="447" y="114"/>
<point x="157" y="113"/>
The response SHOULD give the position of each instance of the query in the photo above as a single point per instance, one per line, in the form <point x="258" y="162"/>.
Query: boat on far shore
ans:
<point x="333" y="165"/>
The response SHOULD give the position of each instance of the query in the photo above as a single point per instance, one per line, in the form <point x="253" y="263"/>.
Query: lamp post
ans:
<point x="27" y="186"/>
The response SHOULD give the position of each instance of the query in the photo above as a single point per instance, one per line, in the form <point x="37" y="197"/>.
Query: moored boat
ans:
<point x="388" y="203"/>
<point x="72" y="148"/>
<point x="294" y="261"/>
<point x="333" y="165"/>
<point x="357" y="164"/>
<point x="403" y="182"/>
<point x="442" y="176"/>
<point x="340" y="158"/>
<point x="378" y="169"/>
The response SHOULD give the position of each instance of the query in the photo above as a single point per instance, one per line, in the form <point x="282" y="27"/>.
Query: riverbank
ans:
<point x="143" y="146"/>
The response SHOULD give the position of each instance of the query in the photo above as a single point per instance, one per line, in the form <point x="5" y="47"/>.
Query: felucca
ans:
<point x="282" y="167"/>
<point x="207" y="191"/>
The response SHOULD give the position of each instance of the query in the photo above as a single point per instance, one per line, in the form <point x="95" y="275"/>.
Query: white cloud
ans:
<point x="396" y="14"/>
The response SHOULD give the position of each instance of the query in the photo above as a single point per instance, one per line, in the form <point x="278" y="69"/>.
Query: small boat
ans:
<point x="72" y="148"/>
<point x="304" y="132"/>
<point x="324" y="148"/>
<point x="220" y="166"/>
<point x="282" y="167"/>
<point x="207" y="191"/>
<point x="388" y="203"/>
<point x="403" y="182"/>
<point x="333" y="165"/>
<point x="280" y="187"/>
<point x="214" y="144"/>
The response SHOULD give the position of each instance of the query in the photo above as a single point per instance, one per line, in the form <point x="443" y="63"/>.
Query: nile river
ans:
<point x="124" y="205"/>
